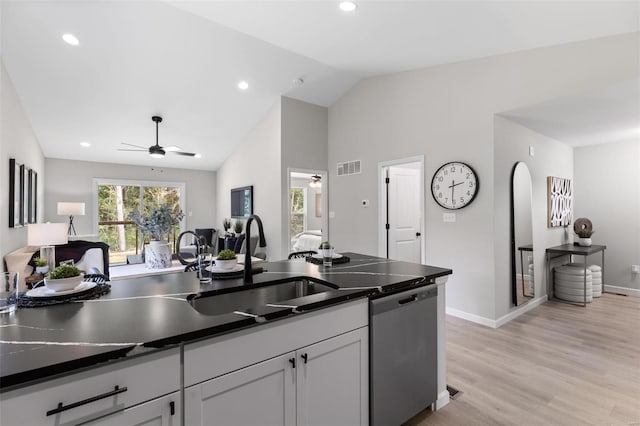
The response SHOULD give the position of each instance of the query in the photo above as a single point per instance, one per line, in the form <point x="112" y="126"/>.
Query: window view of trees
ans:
<point x="116" y="202"/>
<point x="298" y="210"/>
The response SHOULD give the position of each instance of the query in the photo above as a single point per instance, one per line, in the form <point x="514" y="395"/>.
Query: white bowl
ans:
<point x="63" y="284"/>
<point x="226" y="265"/>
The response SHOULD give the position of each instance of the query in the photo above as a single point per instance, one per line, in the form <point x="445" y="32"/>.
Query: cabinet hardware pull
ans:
<point x="62" y="407"/>
<point x="172" y="408"/>
<point x="304" y="357"/>
<point x="409" y="299"/>
<point x="293" y="362"/>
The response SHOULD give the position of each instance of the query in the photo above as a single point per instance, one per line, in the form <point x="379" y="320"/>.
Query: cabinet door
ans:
<point x="261" y="395"/>
<point x="333" y="381"/>
<point x="164" y="411"/>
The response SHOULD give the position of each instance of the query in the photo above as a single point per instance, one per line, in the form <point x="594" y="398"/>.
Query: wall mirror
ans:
<point x="307" y="207"/>
<point x="522" y="279"/>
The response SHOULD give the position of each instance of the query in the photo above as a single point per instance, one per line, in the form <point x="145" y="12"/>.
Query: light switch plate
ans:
<point x="532" y="151"/>
<point x="332" y="215"/>
<point x="448" y="217"/>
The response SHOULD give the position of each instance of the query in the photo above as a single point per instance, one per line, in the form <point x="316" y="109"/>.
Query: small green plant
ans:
<point x="585" y="233"/>
<point x="324" y="245"/>
<point x="227" y="255"/>
<point x="64" y="271"/>
<point x="226" y="224"/>
<point x="41" y="261"/>
<point x="238" y="226"/>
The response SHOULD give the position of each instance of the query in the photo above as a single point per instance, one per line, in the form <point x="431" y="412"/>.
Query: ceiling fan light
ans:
<point x="156" y="152"/>
<point x="316" y="181"/>
<point x="157" y="155"/>
<point x="172" y="148"/>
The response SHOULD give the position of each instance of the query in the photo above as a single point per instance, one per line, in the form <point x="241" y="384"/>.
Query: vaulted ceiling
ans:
<point x="183" y="59"/>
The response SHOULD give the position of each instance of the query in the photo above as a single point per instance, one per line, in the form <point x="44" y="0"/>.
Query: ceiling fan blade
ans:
<point x="171" y="148"/>
<point x="186" y="154"/>
<point x="134" y="150"/>
<point x="137" y="146"/>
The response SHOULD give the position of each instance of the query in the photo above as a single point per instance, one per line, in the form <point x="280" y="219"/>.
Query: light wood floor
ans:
<point x="558" y="364"/>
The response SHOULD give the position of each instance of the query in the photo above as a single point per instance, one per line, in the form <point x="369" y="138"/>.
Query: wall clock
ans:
<point x="454" y="185"/>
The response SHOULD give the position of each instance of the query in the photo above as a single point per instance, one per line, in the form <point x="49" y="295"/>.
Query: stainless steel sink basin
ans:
<point x="244" y="300"/>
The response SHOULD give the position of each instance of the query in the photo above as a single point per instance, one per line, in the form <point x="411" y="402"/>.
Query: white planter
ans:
<point x="157" y="255"/>
<point x="63" y="284"/>
<point x="226" y="265"/>
<point x="584" y="242"/>
<point x="42" y="269"/>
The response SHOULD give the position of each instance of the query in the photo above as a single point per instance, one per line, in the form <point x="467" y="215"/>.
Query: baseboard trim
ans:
<point x="500" y="321"/>
<point x="622" y="290"/>
<point x="443" y="399"/>
<point x="471" y="317"/>
<point x="520" y="310"/>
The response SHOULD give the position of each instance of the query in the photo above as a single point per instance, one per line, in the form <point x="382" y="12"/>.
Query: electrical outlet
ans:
<point x="448" y="217"/>
<point x="635" y="269"/>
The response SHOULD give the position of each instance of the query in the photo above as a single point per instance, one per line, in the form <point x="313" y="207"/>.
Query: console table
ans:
<point x="572" y="250"/>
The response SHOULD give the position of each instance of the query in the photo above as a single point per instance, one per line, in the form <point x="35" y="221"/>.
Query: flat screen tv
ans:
<point x="242" y="202"/>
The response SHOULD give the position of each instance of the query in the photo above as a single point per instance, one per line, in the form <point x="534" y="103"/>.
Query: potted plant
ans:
<point x="42" y="265"/>
<point x="584" y="230"/>
<point x="157" y="224"/>
<point x="226" y="260"/>
<point x="226" y="224"/>
<point x="63" y="277"/>
<point x="238" y="226"/>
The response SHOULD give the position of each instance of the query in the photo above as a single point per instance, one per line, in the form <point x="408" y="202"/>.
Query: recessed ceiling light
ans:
<point x="243" y="85"/>
<point x="85" y="144"/>
<point x="348" y="6"/>
<point x="71" y="39"/>
<point x="197" y="156"/>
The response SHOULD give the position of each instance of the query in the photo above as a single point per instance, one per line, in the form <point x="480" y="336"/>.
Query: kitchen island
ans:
<point x="152" y="318"/>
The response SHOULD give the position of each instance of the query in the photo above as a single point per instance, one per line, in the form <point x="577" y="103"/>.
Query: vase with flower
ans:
<point x="157" y="224"/>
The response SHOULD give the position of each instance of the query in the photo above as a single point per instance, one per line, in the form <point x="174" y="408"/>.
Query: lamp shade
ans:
<point x="45" y="234"/>
<point x="71" y="209"/>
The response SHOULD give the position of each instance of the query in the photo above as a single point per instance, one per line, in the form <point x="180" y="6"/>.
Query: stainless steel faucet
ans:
<point x="248" y="270"/>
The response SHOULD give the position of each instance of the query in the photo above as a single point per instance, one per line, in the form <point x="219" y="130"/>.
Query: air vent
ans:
<point x="349" y="168"/>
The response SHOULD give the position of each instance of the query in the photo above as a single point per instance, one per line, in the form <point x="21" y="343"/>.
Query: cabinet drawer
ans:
<point x="92" y="393"/>
<point x="215" y="357"/>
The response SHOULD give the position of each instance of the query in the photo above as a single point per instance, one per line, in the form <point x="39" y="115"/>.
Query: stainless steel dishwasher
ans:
<point x="403" y="355"/>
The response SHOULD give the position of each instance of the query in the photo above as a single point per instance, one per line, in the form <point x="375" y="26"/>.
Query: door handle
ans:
<point x="172" y="408"/>
<point x="418" y="234"/>
<point x="409" y="299"/>
<point x="293" y="362"/>
<point x="304" y="357"/>
<point x="61" y="407"/>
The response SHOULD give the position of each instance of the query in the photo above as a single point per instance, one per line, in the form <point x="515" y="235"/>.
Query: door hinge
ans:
<point x="386" y="180"/>
<point x="386" y="226"/>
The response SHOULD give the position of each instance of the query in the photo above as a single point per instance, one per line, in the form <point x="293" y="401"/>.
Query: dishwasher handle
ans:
<point x="402" y="299"/>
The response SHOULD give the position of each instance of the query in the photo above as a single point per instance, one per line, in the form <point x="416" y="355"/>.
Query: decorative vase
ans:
<point x="226" y="265"/>
<point x="157" y="255"/>
<point x="42" y="270"/>
<point x="584" y="242"/>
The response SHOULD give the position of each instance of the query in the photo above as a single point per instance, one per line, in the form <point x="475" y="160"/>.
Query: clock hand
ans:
<point x="452" y="188"/>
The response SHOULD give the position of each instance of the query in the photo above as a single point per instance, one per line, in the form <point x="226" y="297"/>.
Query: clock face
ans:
<point x="454" y="185"/>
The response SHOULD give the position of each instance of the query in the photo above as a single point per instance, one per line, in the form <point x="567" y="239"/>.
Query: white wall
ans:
<point x="447" y="113"/>
<point x="607" y="191"/>
<point x="304" y="146"/>
<point x="552" y="158"/>
<point x="256" y="161"/>
<point x="17" y="140"/>
<point x="70" y="180"/>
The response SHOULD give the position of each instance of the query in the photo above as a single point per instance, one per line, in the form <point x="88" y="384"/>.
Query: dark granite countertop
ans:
<point x="144" y="314"/>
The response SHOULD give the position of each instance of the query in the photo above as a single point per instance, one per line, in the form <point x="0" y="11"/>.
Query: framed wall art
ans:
<point x="33" y="196"/>
<point x="24" y="195"/>
<point x="559" y="202"/>
<point x="14" y="194"/>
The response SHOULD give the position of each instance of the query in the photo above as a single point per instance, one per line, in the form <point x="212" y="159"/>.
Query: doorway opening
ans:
<point x="307" y="222"/>
<point x="401" y="219"/>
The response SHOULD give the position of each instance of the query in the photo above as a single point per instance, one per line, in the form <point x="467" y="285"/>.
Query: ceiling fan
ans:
<point x="157" y="151"/>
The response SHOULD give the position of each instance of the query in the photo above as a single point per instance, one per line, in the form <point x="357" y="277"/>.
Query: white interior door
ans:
<point x="404" y="237"/>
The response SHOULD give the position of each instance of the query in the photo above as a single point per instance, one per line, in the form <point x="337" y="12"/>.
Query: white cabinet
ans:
<point x="261" y="395"/>
<point x="322" y="384"/>
<point x="164" y="411"/>
<point x="94" y="393"/>
<point x="332" y="380"/>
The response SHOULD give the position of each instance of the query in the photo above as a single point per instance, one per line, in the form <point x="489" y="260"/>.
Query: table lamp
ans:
<point x="46" y="236"/>
<point x="71" y="209"/>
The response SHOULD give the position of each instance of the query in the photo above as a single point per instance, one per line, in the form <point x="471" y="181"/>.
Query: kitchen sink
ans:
<point x="244" y="300"/>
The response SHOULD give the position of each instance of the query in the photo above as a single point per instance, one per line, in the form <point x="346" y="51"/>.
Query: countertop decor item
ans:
<point x="454" y="185"/>
<point x="584" y="229"/>
<point x="63" y="278"/>
<point x="226" y="260"/>
<point x="42" y="266"/>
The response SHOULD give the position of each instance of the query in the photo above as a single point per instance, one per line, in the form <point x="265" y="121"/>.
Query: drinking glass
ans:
<point x="8" y="292"/>
<point x="204" y="269"/>
<point x="327" y="256"/>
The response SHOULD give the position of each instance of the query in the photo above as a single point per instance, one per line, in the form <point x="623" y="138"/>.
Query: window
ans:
<point x="298" y="198"/>
<point x="115" y="200"/>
